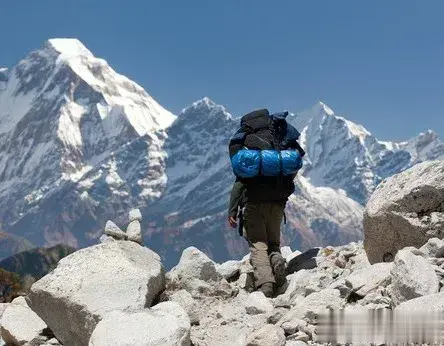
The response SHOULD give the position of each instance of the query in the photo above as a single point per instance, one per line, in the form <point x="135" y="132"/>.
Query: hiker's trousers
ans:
<point x="262" y="225"/>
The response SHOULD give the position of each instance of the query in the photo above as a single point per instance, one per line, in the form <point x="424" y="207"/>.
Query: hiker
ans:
<point x="265" y="157"/>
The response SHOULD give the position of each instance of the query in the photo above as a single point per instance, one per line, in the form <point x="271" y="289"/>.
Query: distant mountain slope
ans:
<point x="10" y="244"/>
<point x="80" y="144"/>
<point x="36" y="262"/>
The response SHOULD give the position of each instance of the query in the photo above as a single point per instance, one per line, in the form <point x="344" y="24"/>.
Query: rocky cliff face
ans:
<point x="80" y="144"/>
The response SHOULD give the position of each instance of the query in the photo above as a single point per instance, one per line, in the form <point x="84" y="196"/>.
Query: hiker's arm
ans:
<point x="235" y="199"/>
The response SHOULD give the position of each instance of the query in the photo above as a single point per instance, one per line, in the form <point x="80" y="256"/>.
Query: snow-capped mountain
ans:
<point x="342" y="154"/>
<point x="80" y="144"/>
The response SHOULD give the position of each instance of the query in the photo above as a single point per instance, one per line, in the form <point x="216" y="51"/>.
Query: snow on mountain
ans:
<point x="342" y="154"/>
<point x="80" y="144"/>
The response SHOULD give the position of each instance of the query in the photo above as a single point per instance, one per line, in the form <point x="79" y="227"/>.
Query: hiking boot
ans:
<point x="267" y="289"/>
<point x="279" y="268"/>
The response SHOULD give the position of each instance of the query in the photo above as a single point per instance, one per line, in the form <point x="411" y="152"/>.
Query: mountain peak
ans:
<point x="69" y="47"/>
<point x="205" y="106"/>
<point x="322" y="107"/>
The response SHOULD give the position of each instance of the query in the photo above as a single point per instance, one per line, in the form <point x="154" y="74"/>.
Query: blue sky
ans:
<point x="379" y="63"/>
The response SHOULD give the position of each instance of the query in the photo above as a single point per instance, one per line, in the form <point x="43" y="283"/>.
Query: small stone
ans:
<point x="269" y="335"/>
<point x="106" y="238"/>
<point x="301" y="336"/>
<point x="276" y="315"/>
<point x="341" y="262"/>
<point x="257" y="303"/>
<point x="135" y="215"/>
<point x="246" y="281"/>
<point x="114" y="231"/>
<point x="229" y="269"/>
<point x="134" y="232"/>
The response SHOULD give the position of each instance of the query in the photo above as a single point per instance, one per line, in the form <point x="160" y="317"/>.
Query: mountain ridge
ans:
<point x="88" y="152"/>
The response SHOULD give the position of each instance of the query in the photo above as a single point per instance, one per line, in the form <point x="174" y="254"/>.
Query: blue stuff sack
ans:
<point x="246" y="163"/>
<point x="291" y="162"/>
<point x="271" y="163"/>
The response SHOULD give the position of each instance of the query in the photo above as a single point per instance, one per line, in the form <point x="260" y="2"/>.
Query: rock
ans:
<point x="164" y="324"/>
<point x="186" y="301"/>
<point x="134" y="232"/>
<point x="292" y="255"/>
<point x="301" y="336"/>
<point x="246" y="281"/>
<point x="296" y="343"/>
<point x="433" y="248"/>
<point x="267" y="336"/>
<point x="106" y="239"/>
<point x="194" y="264"/>
<point x="112" y="230"/>
<point x="306" y="260"/>
<point x="304" y="282"/>
<point x="276" y="315"/>
<point x="307" y="308"/>
<point x="19" y="324"/>
<point x="135" y="215"/>
<point x="412" y="276"/>
<point x="291" y="327"/>
<point x="229" y="269"/>
<point x="92" y="282"/>
<point x="368" y="279"/>
<point x="432" y="302"/>
<point x="257" y="303"/>
<point x="286" y="251"/>
<point x="376" y="300"/>
<point x="357" y="262"/>
<point x="405" y="210"/>
<point x="3" y="307"/>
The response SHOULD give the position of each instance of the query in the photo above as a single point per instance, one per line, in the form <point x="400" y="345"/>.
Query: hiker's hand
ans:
<point x="232" y="221"/>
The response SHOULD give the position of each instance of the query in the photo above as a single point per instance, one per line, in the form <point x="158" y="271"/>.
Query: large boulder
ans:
<point x="92" y="282"/>
<point x="166" y="324"/>
<point x="405" y="210"/>
<point x="19" y="324"/>
<point x="412" y="277"/>
<point x="366" y="280"/>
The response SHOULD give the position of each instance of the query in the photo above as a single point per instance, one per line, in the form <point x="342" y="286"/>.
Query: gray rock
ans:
<point x="357" y="262"/>
<point x="307" y="308"/>
<point x="165" y="324"/>
<point x="3" y="307"/>
<point x="134" y="232"/>
<point x="229" y="269"/>
<point x="106" y="238"/>
<point x="112" y="230"/>
<point x="433" y="248"/>
<point x="412" y="276"/>
<point x="406" y="209"/>
<point x="257" y="303"/>
<point x="432" y="302"/>
<point x="135" y="215"/>
<point x="186" y="301"/>
<point x="92" y="282"/>
<point x="274" y="316"/>
<point x="194" y="264"/>
<point x="295" y="343"/>
<point x="267" y="336"/>
<point x="368" y="279"/>
<point x="286" y="251"/>
<point x="291" y="327"/>
<point x="246" y="281"/>
<point x="19" y="324"/>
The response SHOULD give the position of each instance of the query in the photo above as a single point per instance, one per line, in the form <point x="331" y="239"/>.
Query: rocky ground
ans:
<point x="117" y="292"/>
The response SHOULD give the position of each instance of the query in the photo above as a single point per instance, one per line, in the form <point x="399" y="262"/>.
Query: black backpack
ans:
<point x="261" y="131"/>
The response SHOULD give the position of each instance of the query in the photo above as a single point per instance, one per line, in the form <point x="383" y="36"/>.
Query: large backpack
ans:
<point x="267" y="139"/>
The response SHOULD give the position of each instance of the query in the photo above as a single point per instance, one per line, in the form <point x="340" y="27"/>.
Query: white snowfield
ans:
<point x="80" y="143"/>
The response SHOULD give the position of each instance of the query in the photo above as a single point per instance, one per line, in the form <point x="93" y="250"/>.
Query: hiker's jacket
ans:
<point x="237" y="198"/>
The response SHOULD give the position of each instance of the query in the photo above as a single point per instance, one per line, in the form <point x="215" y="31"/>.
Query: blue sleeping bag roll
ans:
<point x="271" y="163"/>
<point x="291" y="162"/>
<point x="246" y="163"/>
